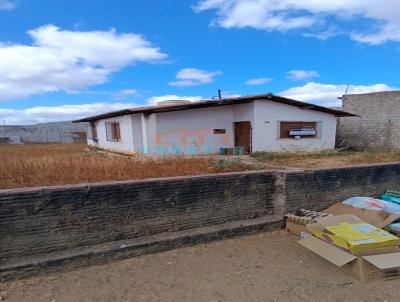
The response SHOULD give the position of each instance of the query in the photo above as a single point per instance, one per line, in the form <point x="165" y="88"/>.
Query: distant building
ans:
<point x="378" y="123"/>
<point x="56" y="132"/>
<point x="253" y="123"/>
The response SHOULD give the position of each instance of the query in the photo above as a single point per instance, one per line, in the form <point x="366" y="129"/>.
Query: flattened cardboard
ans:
<point x="384" y="261"/>
<point x="363" y="268"/>
<point x="327" y="251"/>
<point x="377" y="218"/>
<point x="336" y="219"/>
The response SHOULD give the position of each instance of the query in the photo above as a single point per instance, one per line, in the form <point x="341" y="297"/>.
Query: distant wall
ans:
<point x="378" y="125"/>
<point x="43" y="227"/>
<point x="10" y="139"/>
<point x="58" y="132"/>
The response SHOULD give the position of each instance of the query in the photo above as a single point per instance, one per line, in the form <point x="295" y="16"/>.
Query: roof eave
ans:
<point x="102" y="116"/>
<point x="217" y="103"/>
<point x="309" y="106"/>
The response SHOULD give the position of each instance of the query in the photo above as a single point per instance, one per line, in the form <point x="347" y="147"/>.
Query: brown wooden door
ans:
<point x="243" y="136"/>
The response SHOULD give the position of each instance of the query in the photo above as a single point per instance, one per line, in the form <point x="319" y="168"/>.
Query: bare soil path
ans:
<point x="262" y="267"/>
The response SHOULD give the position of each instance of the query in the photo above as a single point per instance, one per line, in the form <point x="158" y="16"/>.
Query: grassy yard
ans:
<point x="327" y="158"/>
<point x="53" y="164"/>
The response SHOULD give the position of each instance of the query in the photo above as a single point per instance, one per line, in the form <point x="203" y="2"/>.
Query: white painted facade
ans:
<point x="198" y="131"/>
<point x="125" y="144"/>
<point x="269" y="114"/>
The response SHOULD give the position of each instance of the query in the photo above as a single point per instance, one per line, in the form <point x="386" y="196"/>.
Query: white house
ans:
<point x="264" y="122"/>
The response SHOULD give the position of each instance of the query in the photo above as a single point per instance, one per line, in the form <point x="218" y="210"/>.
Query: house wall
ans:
<point x="191" y="131"/>
<point x="265" y="129"/>
<point x="151" y="131"/>
<point x="378" y="125"/>
<point x="243" y="113"/>
<point x="126" y="144"/>
<point x="137" y="132"/>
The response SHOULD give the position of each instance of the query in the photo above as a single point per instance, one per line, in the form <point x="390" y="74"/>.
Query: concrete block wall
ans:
<point x="44" y="220"/>
<point x="318" y="189"/>
<point x="378" y="125"/>
<point x="10" y="139"/>
<point x="49" y="226"/>
<point x="56" y="132"/>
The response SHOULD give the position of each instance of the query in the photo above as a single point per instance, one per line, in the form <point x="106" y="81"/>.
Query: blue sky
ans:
<point x="61" y="60"/>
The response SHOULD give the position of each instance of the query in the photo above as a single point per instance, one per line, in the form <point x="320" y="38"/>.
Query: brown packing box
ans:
<point x="296" y="223"/>
<point x="376" y="218"/>
<point x="295" y="227"/>
<point x="384" y="265"/>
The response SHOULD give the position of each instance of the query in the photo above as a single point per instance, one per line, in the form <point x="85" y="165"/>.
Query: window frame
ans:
<point x="93" y="131"/>
<point x="113" y="131"/>
<point x="317" y="126"/>
<point x="219" y="131"/>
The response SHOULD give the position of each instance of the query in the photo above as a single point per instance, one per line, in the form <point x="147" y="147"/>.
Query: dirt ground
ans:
<point x="262" y="267"/>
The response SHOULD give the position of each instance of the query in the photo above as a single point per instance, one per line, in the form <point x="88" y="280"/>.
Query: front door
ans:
<point x="243" y="136"/>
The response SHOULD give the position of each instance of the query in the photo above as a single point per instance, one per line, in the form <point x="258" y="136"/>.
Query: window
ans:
<point x="91" y="131"/>
<point x="113" y="133"/>
<point x="299" y="130"/>
<point x="219" y="131"/>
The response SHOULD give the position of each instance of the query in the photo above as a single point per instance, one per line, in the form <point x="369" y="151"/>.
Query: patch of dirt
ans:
<point x="262" y="267"/>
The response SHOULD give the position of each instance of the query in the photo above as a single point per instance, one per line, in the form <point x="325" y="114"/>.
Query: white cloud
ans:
<point x="61" y="60"/>
<point x="300" y="75"/>
<point x="258" y="81"/>
<point x="325" y="34"/>
<point x="169" y="97"/>
<point x="317" y="93"/>
<point x="327" y="94"/>
<point x="382" y="18"/>
<point x="7" y="5"/>
<point x="194" y="77"/>
<point x="123" y="93"/>
<point x="43" y="114"/>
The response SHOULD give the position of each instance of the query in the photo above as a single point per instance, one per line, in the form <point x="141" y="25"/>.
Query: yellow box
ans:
<point x="351" y="233"/>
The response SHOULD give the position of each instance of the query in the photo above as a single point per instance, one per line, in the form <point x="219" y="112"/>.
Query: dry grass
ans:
<point x="327" y="158"/>
<point x="54" y="164"/>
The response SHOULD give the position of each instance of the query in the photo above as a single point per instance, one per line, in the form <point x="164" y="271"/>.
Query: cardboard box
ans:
<point x="351" y="234"/>
<point x="296" y="223"/>
<point x="379" y="219"/>
<point x="295" y="227"/>
<point x="381" y="266"/>
<point x="394" y="228"/>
